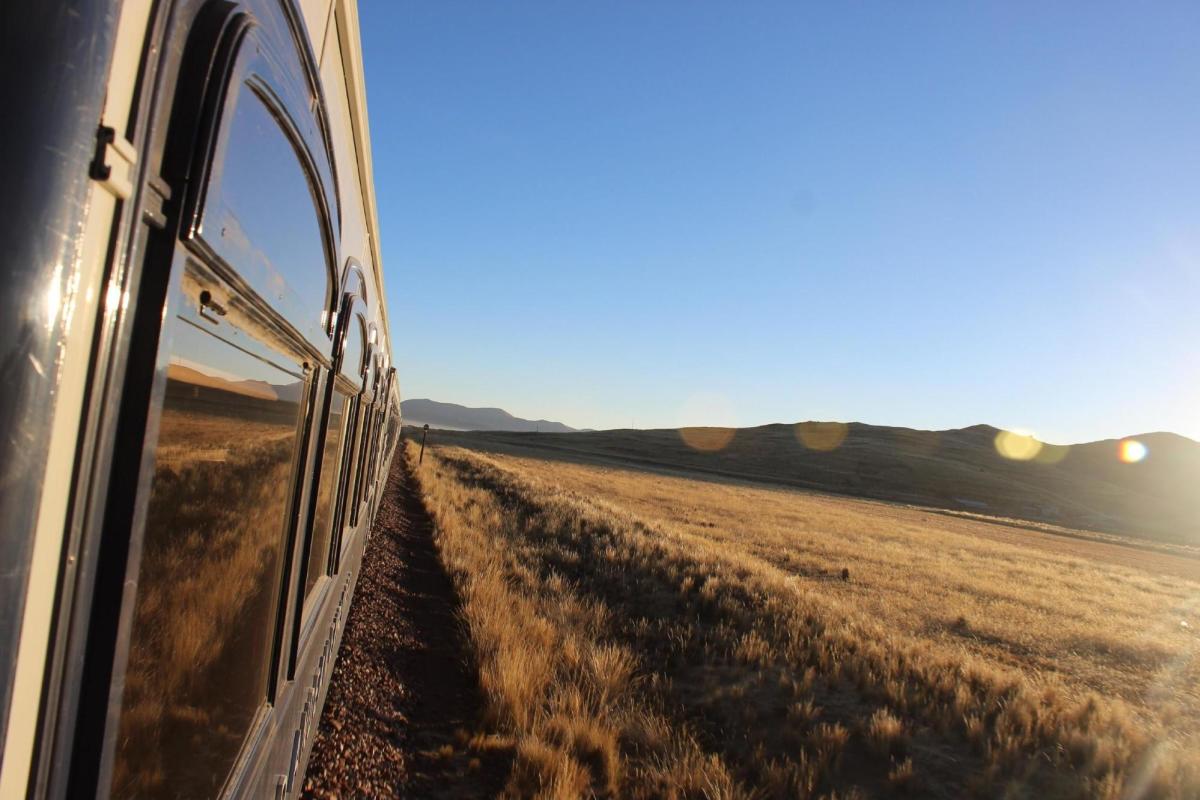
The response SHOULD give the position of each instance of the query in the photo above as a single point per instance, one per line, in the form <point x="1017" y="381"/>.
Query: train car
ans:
<point x="199" y="408"/>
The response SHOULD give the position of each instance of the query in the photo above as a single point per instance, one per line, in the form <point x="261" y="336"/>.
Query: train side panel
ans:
<point x="231" y="450"/>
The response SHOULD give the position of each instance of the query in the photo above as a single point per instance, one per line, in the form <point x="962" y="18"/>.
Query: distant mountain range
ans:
<point x="1080" y="486"/>
<point x="196" y="375"/>
<point x="453" y="417"/>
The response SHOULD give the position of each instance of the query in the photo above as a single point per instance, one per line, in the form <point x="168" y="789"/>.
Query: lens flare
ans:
<point x="708" y="440"/>
<point x="1131" y="451"/>
<point x="823" y="436"/>
<point x="707" y="421"/>
<point x="1017" y="446"/>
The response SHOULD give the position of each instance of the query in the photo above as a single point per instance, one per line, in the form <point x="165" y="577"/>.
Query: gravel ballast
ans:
<point x="404" y="698"/>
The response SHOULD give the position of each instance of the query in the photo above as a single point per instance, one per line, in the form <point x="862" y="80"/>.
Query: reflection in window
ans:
<point x="364" y="443"/>
<point x="203" y="627"/>
<point x="350" y="517"/>
<point x="376" y="428"/>
<point x="352" y="351"/>
<point x="331" y="462"/>
<point x="372" y="440"/>
<point x="262" y="219"/>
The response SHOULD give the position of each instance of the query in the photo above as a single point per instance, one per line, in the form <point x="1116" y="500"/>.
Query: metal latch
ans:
<point x="113" y="163"/>
<point x="207" y="305"/>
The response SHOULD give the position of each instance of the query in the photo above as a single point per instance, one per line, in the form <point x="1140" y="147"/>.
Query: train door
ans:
<point x="244" y="338"/>
<point x="356" y="469"/>
<point x="344" y="391"/>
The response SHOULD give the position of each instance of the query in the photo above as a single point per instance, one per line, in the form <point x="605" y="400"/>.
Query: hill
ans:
<point x="451" y="416"/>
<point x="183" y="373"/>
<point x="1078" y="486"/>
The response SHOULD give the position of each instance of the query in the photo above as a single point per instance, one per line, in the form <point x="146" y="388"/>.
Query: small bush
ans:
<point x="885" y="733"/>
<point x="903" y="777"/>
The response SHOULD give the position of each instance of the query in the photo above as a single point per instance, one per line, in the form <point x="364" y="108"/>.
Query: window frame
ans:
<point x="351" y="310"/>
<point x="257" y="73"/>
<point x="351" y="380"/>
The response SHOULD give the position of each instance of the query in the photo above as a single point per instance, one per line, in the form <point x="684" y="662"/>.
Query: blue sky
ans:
<point x="930" y="215"/>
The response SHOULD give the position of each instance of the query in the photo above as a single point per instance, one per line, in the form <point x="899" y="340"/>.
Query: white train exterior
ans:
<point x="199" y="408"/>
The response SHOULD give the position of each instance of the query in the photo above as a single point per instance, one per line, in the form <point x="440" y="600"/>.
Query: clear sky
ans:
<point x="919" y="214"/>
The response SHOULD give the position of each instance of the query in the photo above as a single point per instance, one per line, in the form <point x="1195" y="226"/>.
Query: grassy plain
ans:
<point x="641" y="634"/>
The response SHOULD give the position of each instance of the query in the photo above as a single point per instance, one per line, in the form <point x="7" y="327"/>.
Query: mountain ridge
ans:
<point x="452" y="416"/>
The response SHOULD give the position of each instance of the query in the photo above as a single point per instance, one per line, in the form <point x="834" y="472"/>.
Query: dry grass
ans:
<point x="646" y="636"/>
<point x="885" y="733"/>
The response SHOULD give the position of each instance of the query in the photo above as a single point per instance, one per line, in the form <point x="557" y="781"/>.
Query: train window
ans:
<point x="205" y="616"/>
<point x="353" y="446"/>
<point x="376" y="452"/>
<point x="253" y="215"/>
<point x="323" y="517"/>
<point x="372" y="433"/>
<point x="352" y="351"/>
<point x="362" y="469"/>
<point x="377" y="446"/>
<point x="353" y="486"/>
<point x="351" y="366"/>
<point x="373" y="455"/>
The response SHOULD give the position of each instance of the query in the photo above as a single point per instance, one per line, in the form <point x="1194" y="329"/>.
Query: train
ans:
<point x="199" y="408"/>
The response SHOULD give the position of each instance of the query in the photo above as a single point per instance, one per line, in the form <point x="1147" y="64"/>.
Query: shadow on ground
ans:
<point x="404" y="697"/>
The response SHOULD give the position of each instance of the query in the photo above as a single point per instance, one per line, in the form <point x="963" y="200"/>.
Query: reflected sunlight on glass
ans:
<point x="823" y="436"/>
<point x="1131" y="451"/>
<point x="51" y="302"/>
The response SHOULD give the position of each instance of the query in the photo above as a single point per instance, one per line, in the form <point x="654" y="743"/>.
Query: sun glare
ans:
<point x="708" y="440"/>
<point x="1131" y="451"/>
<point x="707" y="422"/>
<point x="1017" y="446"/>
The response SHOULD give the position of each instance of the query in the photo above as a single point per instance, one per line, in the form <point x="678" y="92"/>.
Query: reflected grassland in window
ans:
<point x="205" y="612"/>
<point x="322" y="530"/>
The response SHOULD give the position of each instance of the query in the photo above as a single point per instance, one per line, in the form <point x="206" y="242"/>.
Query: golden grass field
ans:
<point x="640" y="634"/>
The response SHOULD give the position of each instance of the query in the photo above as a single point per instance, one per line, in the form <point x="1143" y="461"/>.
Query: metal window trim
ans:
<point x="251" y="71"/>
